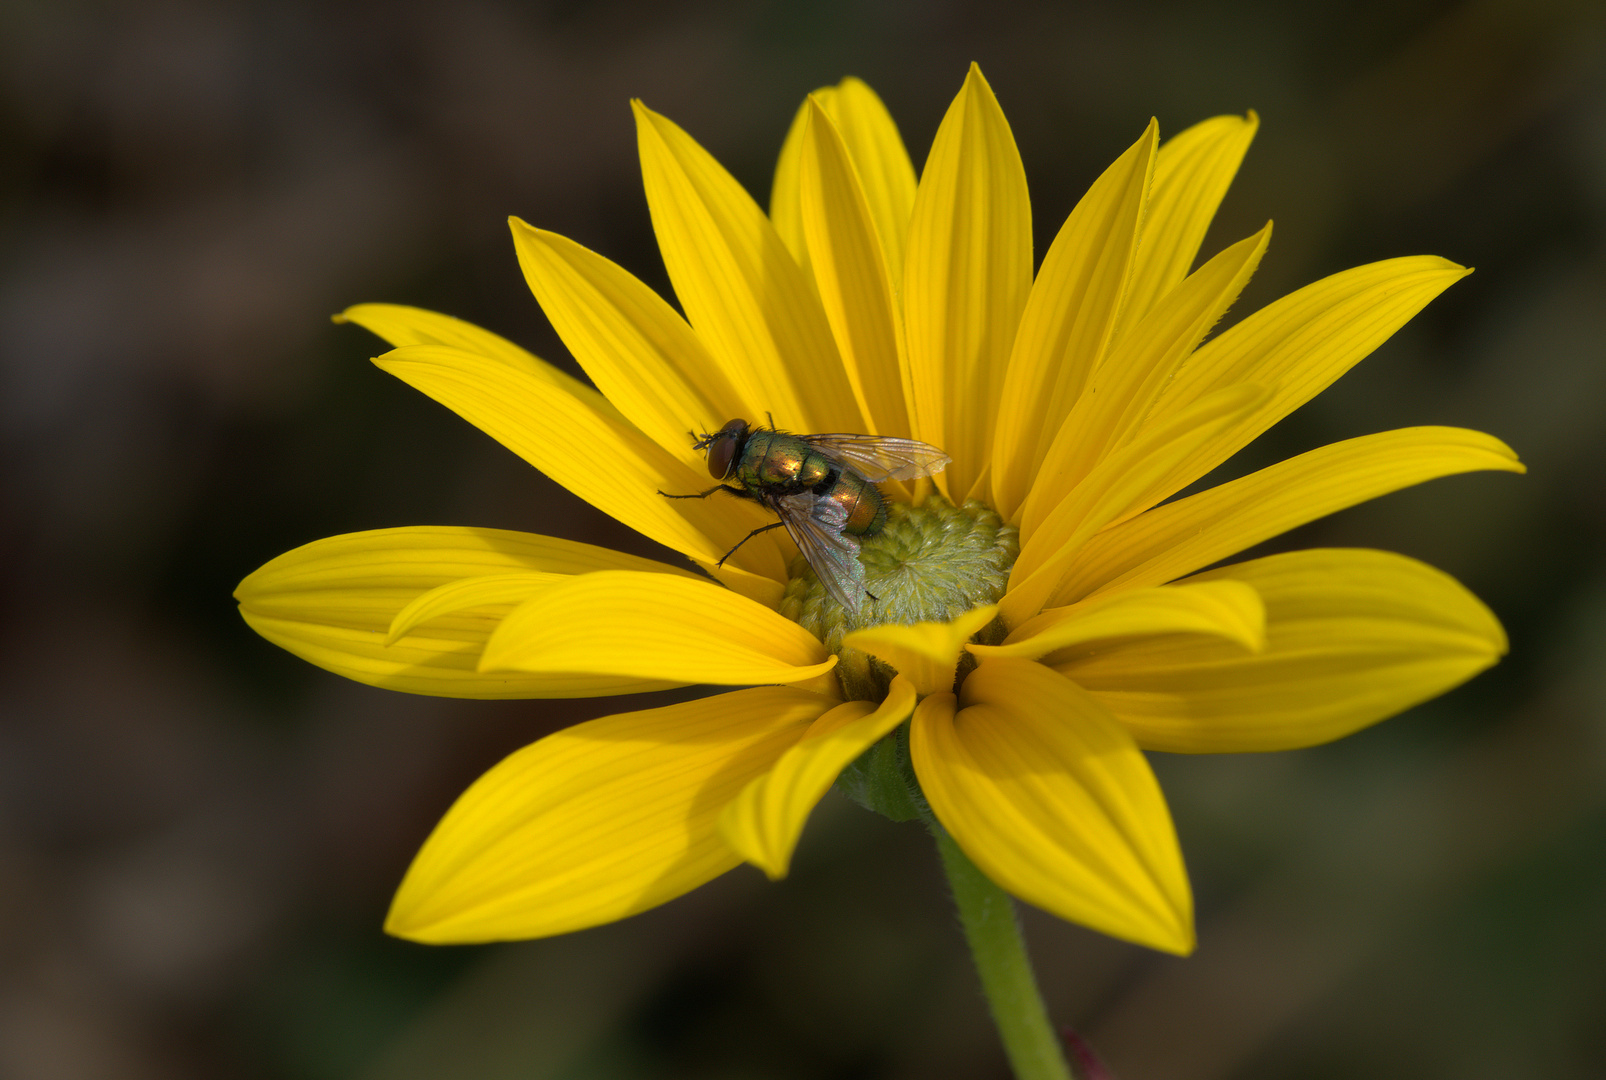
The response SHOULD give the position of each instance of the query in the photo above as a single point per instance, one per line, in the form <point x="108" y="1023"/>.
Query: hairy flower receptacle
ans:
<point x="930" y="563"/>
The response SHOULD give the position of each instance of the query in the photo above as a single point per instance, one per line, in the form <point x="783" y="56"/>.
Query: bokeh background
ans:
<point x="199" y="833"/>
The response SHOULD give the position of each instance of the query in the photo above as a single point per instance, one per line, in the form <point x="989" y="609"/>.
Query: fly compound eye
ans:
<point x="722" y="448"/>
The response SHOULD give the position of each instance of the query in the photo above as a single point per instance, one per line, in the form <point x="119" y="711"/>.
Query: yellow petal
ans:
<point x="332" y="602"/>
<point x="926" y="653"/>
<point x="763" y="823"/>
<point x="1068" y="319"/>
<point x="766" y="590"/>
<point x="851" y="272"/>
<point x="597" y="822"/>
<point x="1229" y="610"/>
<point x="1180" y="537"/>
<point x="1124" y="389"/>
<point x="1352" y="637"/>
<point x="471" y="592"/>
<point x="572" y="434"/>
<point x="1298" y="346"/>
<point x="635" y="347"/>
<point x="1191" y="174"/>
<point x="740" y="286"/>
<point x="1110" y="492"/>
<point x="1049" y="796"/>
<point x="885" y="171"/>
<point x="401" y="325"/>
<point x="654" y="626"/>
<point x="441" y="661"/>
<point x="966" y="276"/>
<point x="878" y="155"/>
<point x="786" y="193"/>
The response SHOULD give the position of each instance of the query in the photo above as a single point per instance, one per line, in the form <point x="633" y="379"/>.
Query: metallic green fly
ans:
<point x="822" y="487"/>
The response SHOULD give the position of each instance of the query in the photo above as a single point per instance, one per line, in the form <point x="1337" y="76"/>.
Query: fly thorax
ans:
<point x="928" y="563"/>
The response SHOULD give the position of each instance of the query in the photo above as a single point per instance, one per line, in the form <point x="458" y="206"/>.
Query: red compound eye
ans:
<point x="722" y="450"/>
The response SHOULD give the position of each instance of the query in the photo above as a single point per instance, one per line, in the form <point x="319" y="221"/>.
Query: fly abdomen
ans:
<point x="864" y="511"/>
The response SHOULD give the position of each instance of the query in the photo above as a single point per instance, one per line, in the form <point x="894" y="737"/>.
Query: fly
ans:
<point x="822" y="487"/>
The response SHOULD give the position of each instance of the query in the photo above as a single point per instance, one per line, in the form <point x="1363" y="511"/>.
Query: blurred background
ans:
<point x="199" y="834"/>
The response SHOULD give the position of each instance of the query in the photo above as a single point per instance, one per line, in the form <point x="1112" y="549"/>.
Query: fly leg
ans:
<point x="740" y="493"/>
<point x="745" y="539"/>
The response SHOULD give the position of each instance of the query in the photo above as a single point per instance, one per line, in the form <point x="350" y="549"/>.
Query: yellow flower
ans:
<point x="1042" y="606"/>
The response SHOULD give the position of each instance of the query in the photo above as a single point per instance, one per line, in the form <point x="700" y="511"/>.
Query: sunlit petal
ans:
<point x="967" y="271"/>
<point x="1297" y="346"/>
<point x="765" y="590"/>
<point x="878" y="155"/>
<point x="653" y="368"/>
<point x="855" y="287"/>
<point x="1111" y="491"/>
<point x="1143" y="362"/>
<point x="885" y="171"/>
<point x="635" y="347"/>
<point x="763" y="823"/>
<point x="401" y="325"/>
<point x="1069" y="318"/>
<point x="333" y="602"/>
<point x="1351" y="637"/>
<point x="572" y="434"/>
<point x="490" y="589"/>
<point x="1229" y="610"/>
<point x="926" y="653"/>
<point x="597" y="822"/>
<point x="786" y="192"/>
<point x="1180" y="537"/>
<point x="653" y="626"/>
<point x="1191" y="174"/>
<point x="740" y="286"/>
<point x="1049" y="796"/>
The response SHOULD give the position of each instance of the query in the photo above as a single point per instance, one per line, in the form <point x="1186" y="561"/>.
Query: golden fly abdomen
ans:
<point x="861" y="500"/>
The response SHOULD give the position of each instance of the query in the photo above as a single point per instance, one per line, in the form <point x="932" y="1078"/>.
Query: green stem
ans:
<point x="993" y="933"/>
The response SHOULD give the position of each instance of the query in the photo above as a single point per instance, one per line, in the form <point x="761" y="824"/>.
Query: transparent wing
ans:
<point x="815" y="525"/>
<point x="876" y="458"/>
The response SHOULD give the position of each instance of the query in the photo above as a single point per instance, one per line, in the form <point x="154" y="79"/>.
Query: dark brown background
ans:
<point x="199" y="833"/>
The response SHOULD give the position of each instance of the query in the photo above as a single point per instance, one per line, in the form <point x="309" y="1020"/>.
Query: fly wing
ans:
<point x="877" y="458"/>
<point x="815" y="525"/>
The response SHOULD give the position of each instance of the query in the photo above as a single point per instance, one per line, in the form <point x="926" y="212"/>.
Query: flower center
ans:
<point x="929" y="563"/>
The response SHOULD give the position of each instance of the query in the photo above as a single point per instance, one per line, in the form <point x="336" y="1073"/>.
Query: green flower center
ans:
<point x="929" y="563"/>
